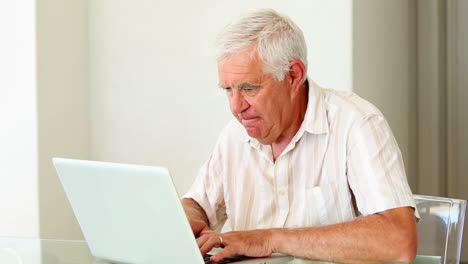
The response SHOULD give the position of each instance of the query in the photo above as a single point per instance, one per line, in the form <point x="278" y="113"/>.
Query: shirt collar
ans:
<point x="315" y="119"/>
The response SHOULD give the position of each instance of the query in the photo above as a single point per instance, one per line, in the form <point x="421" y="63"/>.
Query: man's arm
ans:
<point x="388" y="236"/>
<point x="197" y="217"/>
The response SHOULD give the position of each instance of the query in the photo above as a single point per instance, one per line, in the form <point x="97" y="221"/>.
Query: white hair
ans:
<point x="278" y="40"/>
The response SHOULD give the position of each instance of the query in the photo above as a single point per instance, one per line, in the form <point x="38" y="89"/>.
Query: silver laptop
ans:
<point x="132" y="213"/>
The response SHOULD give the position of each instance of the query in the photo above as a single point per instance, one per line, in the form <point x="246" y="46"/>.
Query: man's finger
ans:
<point x="205" y="248"/>
<point x="226" y="252"/>
<point x="206" y="231"/>
<point x="202" y="240"/>
<point x="210" y="243"/>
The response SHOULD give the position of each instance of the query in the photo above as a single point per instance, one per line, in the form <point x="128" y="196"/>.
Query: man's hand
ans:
<point x="254" y="243"/>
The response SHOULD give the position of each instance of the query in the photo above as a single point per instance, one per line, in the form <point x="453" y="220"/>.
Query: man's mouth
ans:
<point x="249" y="121"/>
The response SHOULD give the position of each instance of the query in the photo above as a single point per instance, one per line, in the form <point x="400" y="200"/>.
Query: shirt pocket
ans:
<point x="332" y="204"/>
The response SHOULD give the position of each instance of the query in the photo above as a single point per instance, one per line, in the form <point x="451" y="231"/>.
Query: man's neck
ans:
<point x="296" y="121"/>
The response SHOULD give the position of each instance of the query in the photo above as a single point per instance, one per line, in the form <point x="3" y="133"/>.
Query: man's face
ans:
<point x="259" y="102"/>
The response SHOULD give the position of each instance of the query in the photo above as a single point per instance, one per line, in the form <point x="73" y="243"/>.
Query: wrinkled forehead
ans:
<point x="240" y="67"/>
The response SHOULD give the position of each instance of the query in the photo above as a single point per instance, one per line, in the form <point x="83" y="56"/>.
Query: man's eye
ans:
<point x="249" y="90"/>
<point x="227" y="89"/>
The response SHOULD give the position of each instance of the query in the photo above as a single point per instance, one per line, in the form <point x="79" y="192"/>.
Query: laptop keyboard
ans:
<point x="225" y="260"/>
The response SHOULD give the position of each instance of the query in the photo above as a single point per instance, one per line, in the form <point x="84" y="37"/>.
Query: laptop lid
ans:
<point x="128" y="213"/>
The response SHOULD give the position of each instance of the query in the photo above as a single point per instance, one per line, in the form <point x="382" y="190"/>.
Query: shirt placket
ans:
<point x="282" y="195"/>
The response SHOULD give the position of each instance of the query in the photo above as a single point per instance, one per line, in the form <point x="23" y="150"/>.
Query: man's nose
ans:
<point x="237" y="102"/>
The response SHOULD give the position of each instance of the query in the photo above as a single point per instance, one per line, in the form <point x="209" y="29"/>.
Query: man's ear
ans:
<point x="297" y="73"/>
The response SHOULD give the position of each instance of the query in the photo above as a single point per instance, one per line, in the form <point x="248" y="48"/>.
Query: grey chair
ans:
<point x="440" y="229"/>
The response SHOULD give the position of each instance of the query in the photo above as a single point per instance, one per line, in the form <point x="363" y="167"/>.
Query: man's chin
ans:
<point x="255" y="133"/>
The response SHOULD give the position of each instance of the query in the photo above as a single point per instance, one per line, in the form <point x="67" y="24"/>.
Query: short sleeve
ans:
<point x="375" y="168"/>
<point x="207" y="190"/>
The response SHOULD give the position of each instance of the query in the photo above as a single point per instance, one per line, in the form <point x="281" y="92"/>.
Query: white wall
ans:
<point x="153" y="79"/>
<point x="18" y="120"/>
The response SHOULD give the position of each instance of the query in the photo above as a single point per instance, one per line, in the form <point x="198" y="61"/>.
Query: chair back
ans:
<point x="440" y="229"/>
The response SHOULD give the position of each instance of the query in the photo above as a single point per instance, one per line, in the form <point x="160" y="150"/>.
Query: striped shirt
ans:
<point x="343" y="162"/>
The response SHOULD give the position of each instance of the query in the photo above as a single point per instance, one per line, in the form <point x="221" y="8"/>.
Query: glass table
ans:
<point x="44" y="251"/>
<point x="48" y="251"/>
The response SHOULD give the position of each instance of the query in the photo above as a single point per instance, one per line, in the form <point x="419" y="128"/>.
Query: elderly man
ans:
<point x="301" y="170"/>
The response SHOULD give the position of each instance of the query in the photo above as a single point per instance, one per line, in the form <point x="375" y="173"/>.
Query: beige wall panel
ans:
<point x="63" y="108"/>
<point x="384" y="70"/>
